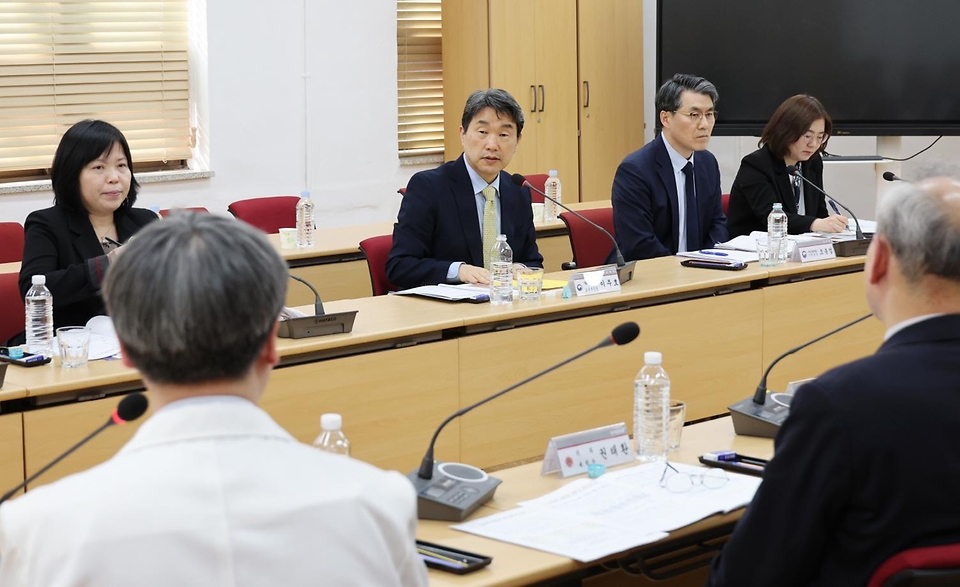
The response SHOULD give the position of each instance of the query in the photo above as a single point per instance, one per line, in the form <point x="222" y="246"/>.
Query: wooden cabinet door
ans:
<point x="558" y="143"/>
<point x="611" y="90"/>
<point x="513" y="27"/>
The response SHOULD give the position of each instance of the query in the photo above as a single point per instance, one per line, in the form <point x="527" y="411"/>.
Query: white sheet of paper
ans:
<point x="592" y="518"/>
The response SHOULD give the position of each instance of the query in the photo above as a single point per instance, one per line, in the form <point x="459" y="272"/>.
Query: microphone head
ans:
<point x="519" y="179"/>
<point x="890" y="176"/>
<point x="130" y="408"/>
<point x="625" y="333"/>
<point x="792" y="169"/>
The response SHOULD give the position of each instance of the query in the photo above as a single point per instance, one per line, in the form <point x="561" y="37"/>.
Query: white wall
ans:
<point x="250" y="65"/>
<point x="253" y="73"/>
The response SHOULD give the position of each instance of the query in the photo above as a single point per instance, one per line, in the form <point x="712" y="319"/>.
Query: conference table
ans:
<point x="337" y="268"/>
<point x="411" y="362"/>
<point x="517" y="565"/>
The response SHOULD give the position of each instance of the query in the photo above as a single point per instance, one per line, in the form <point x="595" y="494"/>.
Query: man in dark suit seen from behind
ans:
<point x="868" y="462"/>
<point x="666" y="196"/>
<point x="439" y="236"/>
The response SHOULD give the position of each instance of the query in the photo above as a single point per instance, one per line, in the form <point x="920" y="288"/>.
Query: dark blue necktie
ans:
<point x="693" y="216"/>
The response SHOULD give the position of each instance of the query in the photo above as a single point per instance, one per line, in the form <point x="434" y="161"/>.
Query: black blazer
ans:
<point x="645" y="212"/>
<point x="866" y="465"/>
<point x="64" y="247"/>
<point x="763" y="180"/>
<point x="438" y="225"/>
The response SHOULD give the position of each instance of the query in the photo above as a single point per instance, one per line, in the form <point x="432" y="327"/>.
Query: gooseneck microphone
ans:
<point x="129" y="409"/>
<point x="760" y="397"/>
<point x="624" y="269"/>
<point x="752" y="416"/>
<point x="792" y="170"/>
<point x="317" y="304"/>
<point x="891" y="176"/>
<point x="621" y="335"/>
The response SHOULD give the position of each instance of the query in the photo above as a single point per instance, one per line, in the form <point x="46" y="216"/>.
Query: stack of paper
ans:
<point x="589" y="519"/>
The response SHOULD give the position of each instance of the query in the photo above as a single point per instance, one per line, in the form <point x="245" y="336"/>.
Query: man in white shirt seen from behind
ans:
<point x="210" y="491"/>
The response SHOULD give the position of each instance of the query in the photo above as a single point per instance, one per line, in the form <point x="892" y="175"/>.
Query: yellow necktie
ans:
<point x="489" y="224"/>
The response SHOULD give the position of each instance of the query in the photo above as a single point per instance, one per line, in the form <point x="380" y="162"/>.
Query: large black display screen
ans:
<point x="880" y="67"/>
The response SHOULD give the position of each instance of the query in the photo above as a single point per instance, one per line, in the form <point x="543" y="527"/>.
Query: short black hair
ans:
<point x="500" y="100"/>
<point x="668" y="96"/>
<point x="84" y="142"/>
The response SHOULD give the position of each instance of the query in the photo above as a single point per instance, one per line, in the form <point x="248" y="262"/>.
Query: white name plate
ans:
<point x="805" y="252"/>
<point x="600" y="280"/>
<point x="571" y="454"/>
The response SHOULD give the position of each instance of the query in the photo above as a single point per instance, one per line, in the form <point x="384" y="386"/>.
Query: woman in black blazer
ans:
<point x="73" y="242"/>
<point x="795" y="135"/>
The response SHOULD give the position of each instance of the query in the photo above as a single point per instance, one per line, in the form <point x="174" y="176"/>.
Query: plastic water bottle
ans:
<point x="305" y="226"/>
<point x="552" y="189"/>
<point x="651" y="409"/>
<point x="777" y="233"/>
<point x="39" y="314"/>
<point x="501" y="276"/>
<point x="331" y="438"/>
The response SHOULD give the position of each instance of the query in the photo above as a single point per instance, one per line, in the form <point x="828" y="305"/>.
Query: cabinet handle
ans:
<point x="586" y="94"/>
<point x="543" y="97"/>
<point x="534" y="90"/>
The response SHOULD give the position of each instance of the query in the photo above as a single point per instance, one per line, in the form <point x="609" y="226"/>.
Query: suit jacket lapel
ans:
<point x="84" y="237"/>
<point x="466" y="202"/>
<point x="669" y="181"/>
<point x="126" y="227"/>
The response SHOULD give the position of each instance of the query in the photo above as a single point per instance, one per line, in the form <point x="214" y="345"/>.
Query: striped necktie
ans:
<point x="489" y="223"/>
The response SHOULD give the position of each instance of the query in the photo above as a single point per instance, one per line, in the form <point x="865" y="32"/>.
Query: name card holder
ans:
<point x="600" y="280"/>
<point x="813" y="250"/>
<point x="571" y="454"/>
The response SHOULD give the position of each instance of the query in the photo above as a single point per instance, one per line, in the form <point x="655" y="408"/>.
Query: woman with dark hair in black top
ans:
<point x="73" y="242"/>
<point x="795" y="136"/>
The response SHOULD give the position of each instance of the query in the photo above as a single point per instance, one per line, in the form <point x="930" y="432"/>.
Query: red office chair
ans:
<point x="268" y="214"/>
<point x="376" y="249"/>
<point x="11" y="242"/>
<point x="539" y="181"/>
<point x="930" y="566"/>
<point x="590" y="246"/>
<point x="166" y="211"/>
<point x="725" y="202"/>
<point x="11" y="306"/>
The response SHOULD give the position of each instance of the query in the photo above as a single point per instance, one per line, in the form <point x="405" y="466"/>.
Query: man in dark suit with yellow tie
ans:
<point x="868" y="462"/>
<point x="666" y="196"/>
<point x="450" y="216"/>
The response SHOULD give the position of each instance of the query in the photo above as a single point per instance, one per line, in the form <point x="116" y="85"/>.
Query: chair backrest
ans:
<point x="376" y="249"/>
<point x="725" y="202"/>
<point x="11" y="242"/>
<point x="539" y="181"/>
<point x="166" y="211"/>
<point x="928" y="566"/>
<point x="11" y="306"/>
<point x="590" y="246"/>
<point x="269" y="214"/>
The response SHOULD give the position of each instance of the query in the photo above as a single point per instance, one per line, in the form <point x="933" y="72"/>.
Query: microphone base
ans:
<point x="853" y="248"/>
<point x="750" y="419"/>
<point x="455" y="491"/>
<point x="309" y="326"/>
<point x="625" y="273"/>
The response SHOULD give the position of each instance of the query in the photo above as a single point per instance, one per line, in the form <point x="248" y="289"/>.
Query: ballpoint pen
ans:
<point x="715" y="253"/>
<point x="834" y="206"/>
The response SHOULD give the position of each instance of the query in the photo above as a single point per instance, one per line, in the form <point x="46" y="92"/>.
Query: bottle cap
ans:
<point x="39" y="280"/>
<point x="652" y="358"/>
<point x="305" y="194"/>
<point x="553" y="173"/>
<point x="331" y="421"/>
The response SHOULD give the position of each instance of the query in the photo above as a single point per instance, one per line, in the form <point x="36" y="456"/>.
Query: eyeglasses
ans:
<point x="816" y="138"/>
<point x="678" y="482"/>
<point x="696" y="116"/>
